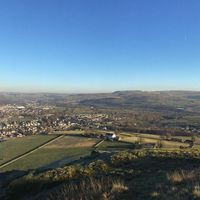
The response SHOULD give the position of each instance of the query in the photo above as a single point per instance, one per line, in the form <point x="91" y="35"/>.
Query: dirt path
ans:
<point x="98" y="143"/>
<point x="29" y="152"/>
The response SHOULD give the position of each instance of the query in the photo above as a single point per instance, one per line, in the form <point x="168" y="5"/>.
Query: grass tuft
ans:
<point x="90" y="188"/>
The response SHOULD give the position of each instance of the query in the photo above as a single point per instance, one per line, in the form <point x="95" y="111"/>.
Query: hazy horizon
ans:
<point x="58" y="46"/>
<point x="97" y="92"/>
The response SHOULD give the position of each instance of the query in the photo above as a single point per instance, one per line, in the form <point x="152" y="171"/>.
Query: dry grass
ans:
<point x="183" y="185"/>
<point x="180" y="176"/>
<point x="72" y="142"/>
<point x="89" y="189"/>
<point x="196" y="191"/>
<point x="78" y="144"/>
<point x="155" y="194"/>
<point x="175" y="177"/>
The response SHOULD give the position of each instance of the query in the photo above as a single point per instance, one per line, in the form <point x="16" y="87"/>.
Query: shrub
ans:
<point x="122" y="157"/>
<point x="31" y="183"/>
<point x="60" y="174"/>
<point x="99" y="166"/>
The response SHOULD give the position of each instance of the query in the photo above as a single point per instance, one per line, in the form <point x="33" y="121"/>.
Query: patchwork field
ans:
<point x="18" y="146"/>
<point x="148" y="138"/>
<point x="55" y="154"/>
<point x="69" y="148"/>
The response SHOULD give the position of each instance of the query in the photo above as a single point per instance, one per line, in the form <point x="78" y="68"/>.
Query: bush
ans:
<point x="99" y="166"/>
<point x="32" y="183"/>
<point x="122" y="158"/>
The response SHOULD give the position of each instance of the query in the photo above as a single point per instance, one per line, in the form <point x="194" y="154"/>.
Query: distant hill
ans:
<point x="165" y="100"/>
<point x="43" y="98"/>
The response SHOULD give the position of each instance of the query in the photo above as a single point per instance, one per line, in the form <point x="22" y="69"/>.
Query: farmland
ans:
<point x="114" y="146"/>
<point x="15" y="147"/>
<point x="71" y="147"/>
<point x="55" y="154"/>
<point x="150" y="138"/>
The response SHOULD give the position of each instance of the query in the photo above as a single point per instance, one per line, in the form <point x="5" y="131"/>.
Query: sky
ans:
<point x="75" y="46"/>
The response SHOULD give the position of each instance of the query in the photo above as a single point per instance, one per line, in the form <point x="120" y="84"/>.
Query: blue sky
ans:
<point x="99" y="45"/>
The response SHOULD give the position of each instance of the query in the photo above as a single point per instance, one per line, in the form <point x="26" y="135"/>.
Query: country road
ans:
<point x="29" y="152"/>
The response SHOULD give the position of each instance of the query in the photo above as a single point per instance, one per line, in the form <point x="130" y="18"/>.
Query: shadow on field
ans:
<point x="60" y="163"/>
<point x="120" y="147"/>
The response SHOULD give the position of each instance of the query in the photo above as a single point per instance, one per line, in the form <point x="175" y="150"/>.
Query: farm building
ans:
<point x="110" y="136"/>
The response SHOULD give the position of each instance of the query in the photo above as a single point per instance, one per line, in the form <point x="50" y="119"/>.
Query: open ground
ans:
<point x="69" y="148"/>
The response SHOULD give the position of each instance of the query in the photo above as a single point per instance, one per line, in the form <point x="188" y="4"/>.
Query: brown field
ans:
<point x="166" y="144"/>
<point x="72" y="142"/>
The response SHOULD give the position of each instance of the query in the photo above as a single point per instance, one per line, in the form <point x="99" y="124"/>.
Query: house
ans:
<point x="105" y="128"/>
<point x="110" y="136"/>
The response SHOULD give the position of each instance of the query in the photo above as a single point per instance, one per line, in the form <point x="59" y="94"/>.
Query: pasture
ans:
<point x="69" y="148"/>
<point x="148" y="138"/>
<point x="56" y="154"/>
<point x="18" y="146"/>
<point x="114" y="146"/>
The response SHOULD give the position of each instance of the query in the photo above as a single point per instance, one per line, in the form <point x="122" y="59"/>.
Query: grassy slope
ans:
<point x="56" y="154"/>
<point x="148" y="175"/>
<point x="48" y="158"/>
<point x="164" y="176"/>
<point x="15" y="147"/>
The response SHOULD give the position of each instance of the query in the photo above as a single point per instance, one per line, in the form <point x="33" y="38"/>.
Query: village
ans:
<point x="32" y="119"/>
<point x="19" y="121"/>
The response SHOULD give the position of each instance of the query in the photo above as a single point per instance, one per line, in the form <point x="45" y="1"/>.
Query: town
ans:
<point x="19" y="121"/>
<point x="33" y="118"/>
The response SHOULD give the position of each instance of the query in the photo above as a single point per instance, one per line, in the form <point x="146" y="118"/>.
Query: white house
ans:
<point x="111" y="136"/>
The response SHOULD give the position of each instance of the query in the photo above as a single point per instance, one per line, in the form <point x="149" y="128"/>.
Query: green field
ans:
<point x="148" y="138"/>
<point x="55" y="154"/>
<point x="114" y="146"/>
<point x="67" y="149"/>
<point x="18" y="146"/>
